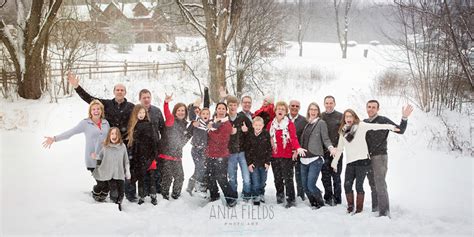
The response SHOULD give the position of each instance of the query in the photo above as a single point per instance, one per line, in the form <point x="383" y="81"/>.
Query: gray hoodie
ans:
<point x="94" y="137"/>
<point x="114" y="165"/>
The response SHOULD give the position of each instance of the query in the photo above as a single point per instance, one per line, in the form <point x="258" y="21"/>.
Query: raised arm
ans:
<point x="168" y="116"/>
<point x="207" y="101"/>
<point x="74" y="81"/>
<point x="79" y="128"/>
<point x="376" y="126"/>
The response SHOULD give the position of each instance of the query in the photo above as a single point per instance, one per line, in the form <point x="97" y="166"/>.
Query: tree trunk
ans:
<point x="240" y="81"/>
<point x="30" y="86"/>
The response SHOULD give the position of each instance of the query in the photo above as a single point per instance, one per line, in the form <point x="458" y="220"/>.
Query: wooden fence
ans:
<point x="93" y="67"/>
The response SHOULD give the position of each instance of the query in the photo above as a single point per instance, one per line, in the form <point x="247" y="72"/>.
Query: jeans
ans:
<point x="376" y="176"/>
<point x="357" y="171"/>
<point x="258" y="179"/>
<point x="200" y="166"/>
<point x="218" y="174"/>
<point x="309" y="177"/>
<point x="299" y="184"/>
<point x="283" y="176"/>
<point x="235" y="160"/>
<point x="331" y="180"/>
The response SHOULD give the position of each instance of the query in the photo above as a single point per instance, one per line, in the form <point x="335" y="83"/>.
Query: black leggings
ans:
<point x="114" y="185"/>
<point x="357" y="171"/>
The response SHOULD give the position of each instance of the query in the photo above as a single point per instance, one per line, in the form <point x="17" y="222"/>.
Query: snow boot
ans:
<point x="359" y="202"/>
<point x="350" y="202"/>
<point x="175" y="195"/>
<point x="165" y="196"/>
<point x="153" y="199"/>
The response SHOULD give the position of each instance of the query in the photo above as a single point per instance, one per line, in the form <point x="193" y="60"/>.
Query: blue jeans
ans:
<point x="309" y="177"/>
<point x="238" y="159"/>
<point x="259" y="180"/>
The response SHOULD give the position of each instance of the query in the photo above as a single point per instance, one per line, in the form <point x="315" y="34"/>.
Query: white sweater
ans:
<point x="357" y="148"/>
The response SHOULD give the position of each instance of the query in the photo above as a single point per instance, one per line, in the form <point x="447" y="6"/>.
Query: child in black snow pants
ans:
<point x="114" y="167"/>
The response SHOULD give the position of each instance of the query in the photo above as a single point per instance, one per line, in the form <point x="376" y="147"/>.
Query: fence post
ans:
<point x="125" y="67"/>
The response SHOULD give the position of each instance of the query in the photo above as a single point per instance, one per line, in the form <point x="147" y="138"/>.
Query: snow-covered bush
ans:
<point x="391" y="82"/>
<point x="374" y="42"/>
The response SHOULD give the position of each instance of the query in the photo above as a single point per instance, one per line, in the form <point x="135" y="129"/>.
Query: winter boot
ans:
<point x="280" y="198"/>
<point x="312" y="200"/>
<point x="165" y="196"/>
<point x="141" y="200"/>
<point x="290" y="203"/>
<point x="256" y="200"/>
<point x="360" y="202"/>
<point x="153" y="199"/>
<point x="350" y="202"/>
<point x="191" y="184"/>
<point x="319" y="201"/>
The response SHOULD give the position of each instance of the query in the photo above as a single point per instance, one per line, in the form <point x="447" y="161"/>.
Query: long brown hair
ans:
<point x="133" y="121"/>
<point x="309" y="106"/>
<point x="119" y="136"/>
<point x="343" y="121"/>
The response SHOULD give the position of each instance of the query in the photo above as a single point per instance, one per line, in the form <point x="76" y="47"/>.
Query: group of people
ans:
<point x="128" y="144"/>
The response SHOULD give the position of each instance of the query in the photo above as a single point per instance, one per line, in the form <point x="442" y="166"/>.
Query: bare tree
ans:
<point x="217" y="21"/>
<point x="436" y="43"/>
<point x="259" y="35"/>
<point x="28" y="50"/>
<point x="70" y="42"/>
<point x="304" y="19"/>
<point x="342" y="37"/>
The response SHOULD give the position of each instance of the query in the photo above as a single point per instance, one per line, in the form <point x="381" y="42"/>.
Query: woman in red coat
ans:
<point x="218" y="154"/>
<point x="285" y="147"/>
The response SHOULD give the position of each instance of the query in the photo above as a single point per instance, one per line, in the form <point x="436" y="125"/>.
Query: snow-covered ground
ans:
<point x="46" y="192"/>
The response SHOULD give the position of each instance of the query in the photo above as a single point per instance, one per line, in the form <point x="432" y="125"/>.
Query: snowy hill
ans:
<point x="47" y="192"/>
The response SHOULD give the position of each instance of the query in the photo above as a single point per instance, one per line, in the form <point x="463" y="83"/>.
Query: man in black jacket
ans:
<point x="117" y="112"/>
<point x="377" y="145"/>
<point x="300" y="122"/>
<point x="331" y="180"/>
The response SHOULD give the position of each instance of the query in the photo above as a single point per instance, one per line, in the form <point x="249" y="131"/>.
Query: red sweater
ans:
<point x="218" y="141"/>
<point x="291" y="145"/>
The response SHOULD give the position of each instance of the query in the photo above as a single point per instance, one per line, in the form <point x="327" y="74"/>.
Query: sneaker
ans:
<point x="232" y="203"/>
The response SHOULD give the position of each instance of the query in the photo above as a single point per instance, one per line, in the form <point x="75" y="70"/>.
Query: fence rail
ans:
<point x="93" y="67"/>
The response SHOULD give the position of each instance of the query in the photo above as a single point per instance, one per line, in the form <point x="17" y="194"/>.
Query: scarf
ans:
<point x="283" y="125"/>
<point x="202" y="124"/>
<point x="349" y="132"/>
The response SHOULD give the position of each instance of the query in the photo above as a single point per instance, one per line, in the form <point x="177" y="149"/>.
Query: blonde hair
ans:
<point x="133" y="121"/>
<point x="101" y="106"/>
<point x="309" y="106"/>
<point x="281" y="103"/>
<point x="258" y="119"/>
<point x="119" y="136"/>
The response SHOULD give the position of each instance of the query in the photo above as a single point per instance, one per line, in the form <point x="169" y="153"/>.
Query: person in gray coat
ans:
<point x="94" y="128"/>
<point x="114" y="168"/>
<point x="313" y="138"/>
